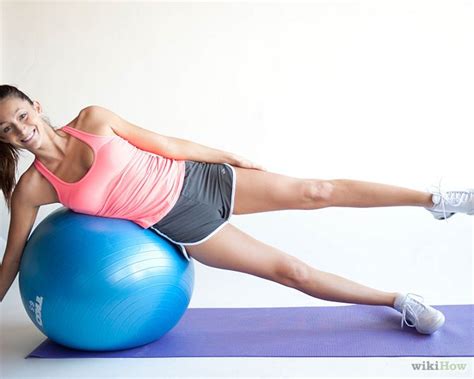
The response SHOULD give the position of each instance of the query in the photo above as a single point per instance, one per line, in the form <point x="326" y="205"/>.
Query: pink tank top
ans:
<point x="123" y="181"/>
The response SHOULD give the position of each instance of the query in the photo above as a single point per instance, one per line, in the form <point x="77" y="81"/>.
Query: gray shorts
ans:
<point x="204" y="206"/>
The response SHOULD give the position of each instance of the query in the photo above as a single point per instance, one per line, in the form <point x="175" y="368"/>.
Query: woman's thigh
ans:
<point x="233" y="249"/>
<point x="263" y="191"/>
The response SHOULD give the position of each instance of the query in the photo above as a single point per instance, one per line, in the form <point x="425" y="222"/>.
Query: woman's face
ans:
<point x="20" y="123"/>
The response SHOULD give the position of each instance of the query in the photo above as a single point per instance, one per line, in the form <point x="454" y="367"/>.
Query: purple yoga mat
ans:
<point x="336" y="331"/>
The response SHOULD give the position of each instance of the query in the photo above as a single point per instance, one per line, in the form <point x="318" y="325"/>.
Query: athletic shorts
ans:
<point x="204" y="206"/>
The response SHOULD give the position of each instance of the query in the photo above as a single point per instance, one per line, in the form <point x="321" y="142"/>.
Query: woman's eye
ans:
<point x="22" y="116"/>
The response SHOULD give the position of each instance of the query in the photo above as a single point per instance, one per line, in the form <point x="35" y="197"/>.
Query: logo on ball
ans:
<point x="36" y="307"/>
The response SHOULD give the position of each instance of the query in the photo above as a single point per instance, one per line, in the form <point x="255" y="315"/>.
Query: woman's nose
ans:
<point x="22" y="130"/>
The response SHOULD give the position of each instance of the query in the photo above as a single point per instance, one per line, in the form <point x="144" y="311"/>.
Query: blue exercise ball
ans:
<point x="102" y="284"/>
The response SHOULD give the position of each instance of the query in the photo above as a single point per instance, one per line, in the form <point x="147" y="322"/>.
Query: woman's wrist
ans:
<point x="231" y="159"/>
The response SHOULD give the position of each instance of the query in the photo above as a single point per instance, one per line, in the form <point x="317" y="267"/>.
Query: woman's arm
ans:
<point x="8" y="272"/>
<point x="187" y="150"/>
<point x="170" y="147"/>
<point x="23" y="216"/>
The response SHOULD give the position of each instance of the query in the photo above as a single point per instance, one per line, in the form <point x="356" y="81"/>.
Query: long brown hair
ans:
<point x="9" y="155"/>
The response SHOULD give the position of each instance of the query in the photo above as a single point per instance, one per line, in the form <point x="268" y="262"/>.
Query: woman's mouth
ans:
<point x="30" y="137"/>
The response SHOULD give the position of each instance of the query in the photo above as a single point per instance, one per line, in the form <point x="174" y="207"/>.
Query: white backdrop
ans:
<point x="372" y="90"/>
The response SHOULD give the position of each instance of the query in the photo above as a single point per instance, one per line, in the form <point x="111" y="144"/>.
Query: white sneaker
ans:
<point x="416" y="314"/>
<point x="448" y="203"/>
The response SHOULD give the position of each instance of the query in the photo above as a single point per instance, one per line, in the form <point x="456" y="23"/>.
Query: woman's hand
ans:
<point x="245" y="163"/>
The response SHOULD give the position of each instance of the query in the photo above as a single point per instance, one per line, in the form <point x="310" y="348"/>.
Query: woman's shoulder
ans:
<point x="38" y="189"/>
<point x="92" y="121"/>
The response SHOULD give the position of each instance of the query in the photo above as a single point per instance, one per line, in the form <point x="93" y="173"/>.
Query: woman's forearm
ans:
<point x="8" y="272"/>
<point x="187" y="150"/>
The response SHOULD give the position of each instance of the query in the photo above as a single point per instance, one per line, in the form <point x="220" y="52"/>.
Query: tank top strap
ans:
<point x="95" y="141"/>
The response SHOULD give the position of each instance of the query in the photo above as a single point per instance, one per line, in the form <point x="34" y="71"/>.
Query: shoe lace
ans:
<point x="437" y="191"/>
<point x="412" y="304"/>
<point x="455" y="197"/>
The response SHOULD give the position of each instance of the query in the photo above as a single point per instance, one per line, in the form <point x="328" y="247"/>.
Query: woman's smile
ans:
<point x="30" y="137"/>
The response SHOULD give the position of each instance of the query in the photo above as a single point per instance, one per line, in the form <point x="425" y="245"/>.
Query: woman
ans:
<point x="101" y="164"/>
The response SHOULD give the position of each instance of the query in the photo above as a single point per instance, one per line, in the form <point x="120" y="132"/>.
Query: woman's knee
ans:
<point x="318" y="193"/>
<point x="293" y="272"/>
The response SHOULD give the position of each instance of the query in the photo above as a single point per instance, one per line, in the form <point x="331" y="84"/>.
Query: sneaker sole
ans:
<point x="438" y="325"/>
<point x="440" y="215"/>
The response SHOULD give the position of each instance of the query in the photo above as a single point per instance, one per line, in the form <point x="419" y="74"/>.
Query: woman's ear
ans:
<point x="37" y="106"/>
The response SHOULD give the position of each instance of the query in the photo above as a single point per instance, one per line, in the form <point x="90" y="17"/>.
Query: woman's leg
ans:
<point x="356" y="193"/>
<point x="232" y="249"/>
<point x="262" y="191"/>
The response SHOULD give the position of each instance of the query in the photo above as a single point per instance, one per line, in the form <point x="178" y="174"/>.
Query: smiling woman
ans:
<point x="21" y="123"/>
<point x="9" y="153"/>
